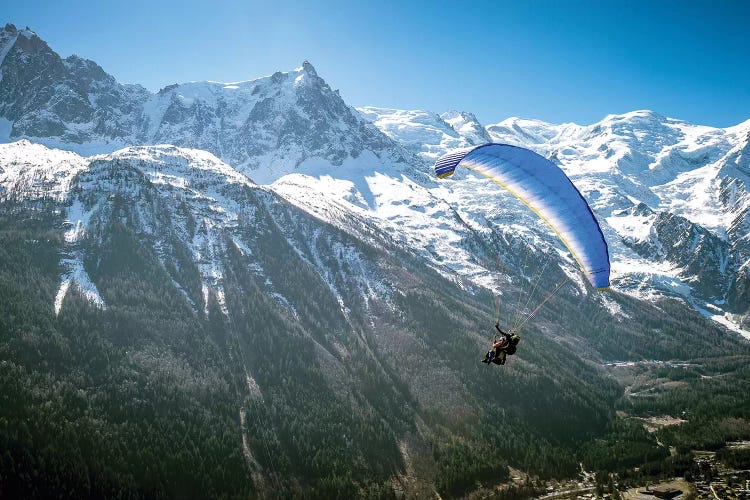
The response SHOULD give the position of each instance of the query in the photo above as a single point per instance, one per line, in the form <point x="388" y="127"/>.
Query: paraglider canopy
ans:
<point x="544" y="188"/>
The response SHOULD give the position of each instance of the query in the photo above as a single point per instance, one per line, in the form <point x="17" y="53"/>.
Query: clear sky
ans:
<point x="554" y="60"/>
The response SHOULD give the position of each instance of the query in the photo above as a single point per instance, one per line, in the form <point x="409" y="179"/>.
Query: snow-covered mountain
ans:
<point x="671" y="196"/>
<point x="264" y="127"/>
<point x="289" y="268"/>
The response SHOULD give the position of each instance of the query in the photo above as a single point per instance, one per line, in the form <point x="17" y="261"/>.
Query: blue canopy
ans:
<point x="544" y="188"/>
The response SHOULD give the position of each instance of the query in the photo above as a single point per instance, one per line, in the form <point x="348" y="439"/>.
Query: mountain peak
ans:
<point x="11" y="30"/>
<point x="28" y="33"/>
<point x="454" y="114"/>
<point x="640" y="115"/>
<point x="85" y="67"/>
<point x="25" y="39"/>
<point x="307" y="68"/>
<point x="467" y="125"/>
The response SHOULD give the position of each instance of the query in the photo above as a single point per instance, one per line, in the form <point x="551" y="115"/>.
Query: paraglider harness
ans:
<point x="501" y="347"/>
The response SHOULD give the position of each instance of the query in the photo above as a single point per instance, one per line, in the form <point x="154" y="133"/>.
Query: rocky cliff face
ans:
<point x="703" y="259"/>
<point x="72" y="99"/>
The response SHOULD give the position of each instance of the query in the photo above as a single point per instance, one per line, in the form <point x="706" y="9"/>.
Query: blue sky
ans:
<point x="554" y="60"/>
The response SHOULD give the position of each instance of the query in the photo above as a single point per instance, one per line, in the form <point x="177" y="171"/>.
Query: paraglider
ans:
<point x="544" y="188"/>
<point x="506" y="346"/>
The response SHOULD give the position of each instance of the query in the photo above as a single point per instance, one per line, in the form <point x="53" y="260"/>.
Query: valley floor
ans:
<point x="718" y="482"/>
